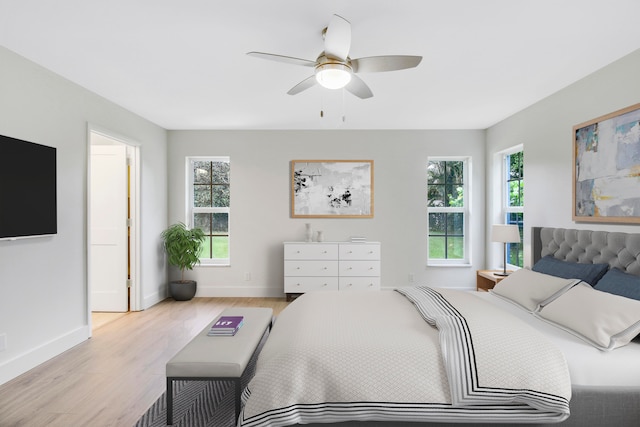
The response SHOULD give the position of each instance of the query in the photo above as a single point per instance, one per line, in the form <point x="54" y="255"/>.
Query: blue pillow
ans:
<point x="589" y="273"/>
<point x="618" y="282"/>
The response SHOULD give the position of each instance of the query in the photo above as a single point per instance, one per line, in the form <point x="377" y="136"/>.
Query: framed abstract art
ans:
<point x="332" y="188"/>
<point x="606" y="168"/>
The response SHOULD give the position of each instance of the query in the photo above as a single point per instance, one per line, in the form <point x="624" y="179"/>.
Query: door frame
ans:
<point x="133" y="154"/>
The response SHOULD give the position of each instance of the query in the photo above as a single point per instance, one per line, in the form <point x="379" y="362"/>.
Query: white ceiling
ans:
<point x="182" y="65"/>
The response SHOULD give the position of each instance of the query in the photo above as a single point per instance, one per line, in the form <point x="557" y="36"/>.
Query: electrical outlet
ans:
<point x="247" y="276"/>
<point x="411" y="278"/>
<point x="3" y="342"/>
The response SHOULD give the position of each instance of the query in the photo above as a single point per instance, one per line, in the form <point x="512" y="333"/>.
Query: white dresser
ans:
<point x="322" y="266"/>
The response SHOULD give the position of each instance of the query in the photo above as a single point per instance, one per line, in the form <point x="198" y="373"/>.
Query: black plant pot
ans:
<point x="182" y="291"/>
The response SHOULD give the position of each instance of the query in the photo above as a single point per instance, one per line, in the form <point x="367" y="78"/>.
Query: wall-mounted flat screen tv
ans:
<point x="28" y="206"/>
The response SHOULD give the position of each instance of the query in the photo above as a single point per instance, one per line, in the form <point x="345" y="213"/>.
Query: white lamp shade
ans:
<point x="505" y="233"/>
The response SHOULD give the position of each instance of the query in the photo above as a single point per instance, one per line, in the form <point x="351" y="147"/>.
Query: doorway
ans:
<point x="112" y="225"/>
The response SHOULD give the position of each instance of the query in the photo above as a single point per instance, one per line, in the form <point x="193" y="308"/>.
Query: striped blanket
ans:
<point x="418" y="354"/>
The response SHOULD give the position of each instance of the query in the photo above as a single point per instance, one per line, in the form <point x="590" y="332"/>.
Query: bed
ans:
<point x="423" y="356"/>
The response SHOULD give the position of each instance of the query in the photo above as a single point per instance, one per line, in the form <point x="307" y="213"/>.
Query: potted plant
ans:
<point x="182" y="246"/>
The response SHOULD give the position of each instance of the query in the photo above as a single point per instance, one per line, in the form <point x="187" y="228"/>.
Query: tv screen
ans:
<point x="27" y="189"/>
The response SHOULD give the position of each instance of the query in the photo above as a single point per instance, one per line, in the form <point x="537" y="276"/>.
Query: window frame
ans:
<point x="507" y="209"/>
<point x="465" y="261"/>
<point x="191" y="210"/>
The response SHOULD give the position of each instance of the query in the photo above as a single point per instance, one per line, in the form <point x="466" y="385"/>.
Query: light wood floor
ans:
<point x="112" y="378"/>
<point x="99" y="319"/>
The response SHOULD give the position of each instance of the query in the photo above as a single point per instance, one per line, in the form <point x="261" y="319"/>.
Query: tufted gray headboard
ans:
<point x="621" y="250"/>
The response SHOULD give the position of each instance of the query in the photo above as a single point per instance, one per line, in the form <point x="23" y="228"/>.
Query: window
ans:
<point x="514" y="201"/>
<point x="447" y="210"/>
<point x="209" y="202"/>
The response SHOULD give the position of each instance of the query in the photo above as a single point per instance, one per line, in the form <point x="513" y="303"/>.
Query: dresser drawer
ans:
<point x="359" y="251"/>
<point x="359" y="283"/>
<point x="318" y="266"/>
<point x="296" y="285"/>
<point x="311" y="251"/>
<point x="359" y="268"/>
<point x="310" y="268"/>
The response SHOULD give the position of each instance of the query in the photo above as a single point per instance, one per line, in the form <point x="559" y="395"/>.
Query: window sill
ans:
<point x="210" y="264"/>
<point x="435" y="264"/>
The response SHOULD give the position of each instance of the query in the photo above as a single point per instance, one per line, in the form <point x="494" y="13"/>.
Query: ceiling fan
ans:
<point x="333" y="67"/>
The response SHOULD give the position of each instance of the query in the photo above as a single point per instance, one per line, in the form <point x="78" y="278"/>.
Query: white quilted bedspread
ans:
<point x="338" y="356"/>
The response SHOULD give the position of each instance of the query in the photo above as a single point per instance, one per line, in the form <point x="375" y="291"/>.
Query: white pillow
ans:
<point x="604" y="320"/>
<point x="530" y="289"/>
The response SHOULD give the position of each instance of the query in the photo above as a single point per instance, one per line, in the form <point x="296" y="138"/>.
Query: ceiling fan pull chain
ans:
<point x="344" y="113"/>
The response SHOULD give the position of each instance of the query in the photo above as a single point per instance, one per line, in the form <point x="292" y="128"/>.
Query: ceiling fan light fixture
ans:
<point x="333" y="75"/>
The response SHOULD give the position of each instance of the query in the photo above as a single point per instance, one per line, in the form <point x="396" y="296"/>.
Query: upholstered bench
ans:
<point x="219" y="358"/>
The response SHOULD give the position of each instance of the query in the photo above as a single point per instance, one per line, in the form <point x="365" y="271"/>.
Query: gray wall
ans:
<point x="545" y="129"/>
<point x="43" y="284"/>
<point x="260" y="201"/>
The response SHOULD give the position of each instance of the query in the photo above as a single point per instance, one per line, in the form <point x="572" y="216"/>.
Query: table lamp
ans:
<point x="505" y="233"/>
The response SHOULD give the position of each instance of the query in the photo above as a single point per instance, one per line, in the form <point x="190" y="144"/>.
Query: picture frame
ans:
<point x="606" y="168"/>
<point x="332" y="189"/>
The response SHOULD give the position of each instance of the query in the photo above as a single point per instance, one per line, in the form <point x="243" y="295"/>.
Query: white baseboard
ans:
<point x="235" y="291"/>
<point x="153" y="299"/>
<point x="22" y="363"/>
<point x="460" y="288"/>
<point x="256" y="292"/>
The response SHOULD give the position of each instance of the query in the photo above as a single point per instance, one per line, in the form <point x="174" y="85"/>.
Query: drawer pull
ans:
<point x="350" y="268"/>
<point x="297" y="268"/>
<point x="324" y="252"/>
<point x="324" y="268"/>
<point x="350" y="284"/>
<point x="350" y="252"/>
<point x="324" y="284"/>
<point x="297" y="252"/>
<point x="370" y="268"/>
<point x="297" y="284"/>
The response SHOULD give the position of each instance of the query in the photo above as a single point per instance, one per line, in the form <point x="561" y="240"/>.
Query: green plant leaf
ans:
<point x="182" y="246"/>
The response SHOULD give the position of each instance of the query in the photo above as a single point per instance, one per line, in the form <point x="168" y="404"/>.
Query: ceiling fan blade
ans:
<point x="374" y="64"/>
<point x="358" y="87"/>
<point x="282" y="58"/>
<point x="303" y="85"/>
<point x="337" y="39"/>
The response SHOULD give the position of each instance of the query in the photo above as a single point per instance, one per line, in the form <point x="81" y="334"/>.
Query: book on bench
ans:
<point x="226" y="326"/>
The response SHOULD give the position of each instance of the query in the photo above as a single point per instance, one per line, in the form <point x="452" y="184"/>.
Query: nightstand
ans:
<point x="486" y="279"/>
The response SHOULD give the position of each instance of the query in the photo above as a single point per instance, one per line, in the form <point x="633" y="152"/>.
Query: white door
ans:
<point x="108" y="216"/>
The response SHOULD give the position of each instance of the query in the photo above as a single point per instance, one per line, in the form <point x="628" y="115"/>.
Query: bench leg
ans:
<point x="169" y="401"/>
<point x="238" y="391"/>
